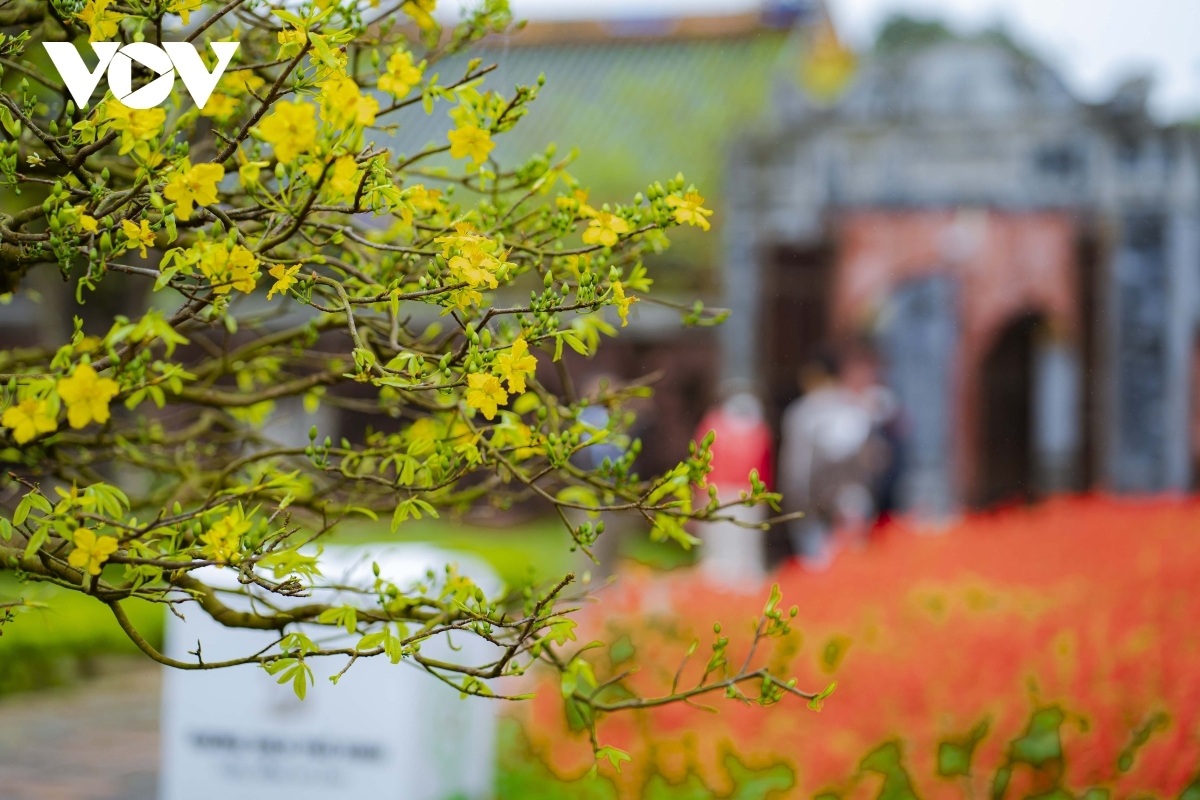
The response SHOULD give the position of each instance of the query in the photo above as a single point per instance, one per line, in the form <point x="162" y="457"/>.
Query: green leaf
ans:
<point x="668" y="527"/>
<point x="300" y="680"/>
<point x="579" y="495"/>
<point x="371" y="641"/>
<point x="412" y="507"/>
<point x="561" y="630"/>
<point x="39" y="502"/>
<point x="22" y="511"/>
<point x="576" y="345"/>
<point x="10" y="123"/>
<point x="164" y="277"/>
<point x="343" y="616"/>
<point x="37" y="540"/>
<point x="1041" y="742"/>
<point x="818" y="701"/>
<point x="288" y="16"/>
<point x="322" y="47"/>
<point x="294" y="670"/>
<point x="773" y="600"/>
<point x="426" y="507"/>
<point x="614" y="756"/>
<point x="953" y="759"/>
<point x="622" y="650"/>
<point x="393" y="648"/>
<point x="134" y="399"/>
<point x="955" y="755"/>
<point x="1000" y="782"/>
<point x="887" y="760"/>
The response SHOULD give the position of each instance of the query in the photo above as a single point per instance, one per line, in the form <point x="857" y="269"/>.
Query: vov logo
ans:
<point x="163" y="61"/>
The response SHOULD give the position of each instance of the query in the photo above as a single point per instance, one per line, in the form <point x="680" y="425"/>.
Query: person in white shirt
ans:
<point x="825" y="463"/>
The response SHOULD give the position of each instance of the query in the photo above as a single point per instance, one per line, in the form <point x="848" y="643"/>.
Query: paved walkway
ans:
<point x="95" y="740"/>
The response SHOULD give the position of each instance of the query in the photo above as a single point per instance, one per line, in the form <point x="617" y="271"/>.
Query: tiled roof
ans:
<point x="639" y="107"/>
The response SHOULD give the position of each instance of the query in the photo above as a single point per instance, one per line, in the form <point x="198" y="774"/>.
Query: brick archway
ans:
<point x="1007" y="264"/>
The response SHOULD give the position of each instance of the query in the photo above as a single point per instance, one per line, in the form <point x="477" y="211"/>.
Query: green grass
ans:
<point x="540" y="545"/>
<point x="55" y="642"/>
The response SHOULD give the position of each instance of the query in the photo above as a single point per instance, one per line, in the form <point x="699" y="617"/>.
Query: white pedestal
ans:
<point x="384" y="731"/>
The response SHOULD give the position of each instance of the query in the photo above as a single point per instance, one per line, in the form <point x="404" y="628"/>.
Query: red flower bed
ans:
<point x="1092" y="604"/>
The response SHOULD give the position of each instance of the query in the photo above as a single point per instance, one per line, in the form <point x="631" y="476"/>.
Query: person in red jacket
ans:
<point x="733" y="553"/>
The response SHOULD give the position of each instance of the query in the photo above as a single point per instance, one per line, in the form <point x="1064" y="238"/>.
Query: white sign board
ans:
<point x="384" y="731"/>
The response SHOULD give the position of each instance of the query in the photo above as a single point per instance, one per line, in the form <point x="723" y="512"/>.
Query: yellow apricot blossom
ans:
<point x="91" y="551"/>
<point x="421" y="12"/>
<point x="688" y="210"/>
<point x="291" y="42"/>
<point x="485" y="393"/>
<point x="248" y="171"/>
<point x="223" y="541"/>
<point x="228" y="270"/>
<point x="220" y="107"/>
<point x="140" y="237"/>
<point x="136" y="125"/>
<point x="463" y="299"/>
<point x="516" y="365"/>
<point x="285" y="278"/>
<point x="402" y="75"/>
<point x="102" y="23"/>
<point x="605" y="229"/>
<point x="423" y="199"/>
<point x="577" y="203"/>
<point x="292" y="129"/>
<point x="188" y="185"/>
<point x="87" y="396"/>
<point x="463" y="239"/>
<point x="343" y="106"/>
<point x="470" y="140"/>
<point x="622" y="302"/>
<point x="28" y="419"/>
<point x="425" y="429"/>
<point x="184" y="9"/>
<point x="475" y="268"/>
<point x="343" y="179"/>
<point x="240" y="83"/>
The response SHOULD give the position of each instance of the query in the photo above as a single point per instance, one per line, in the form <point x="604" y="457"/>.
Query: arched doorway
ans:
<point x="1006" y="414"/>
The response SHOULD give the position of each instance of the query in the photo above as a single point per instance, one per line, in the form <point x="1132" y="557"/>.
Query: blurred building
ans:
<point x="1026" y="263"/>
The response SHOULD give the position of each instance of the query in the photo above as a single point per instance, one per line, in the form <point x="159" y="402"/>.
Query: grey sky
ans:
<point x="1094" y="43"/>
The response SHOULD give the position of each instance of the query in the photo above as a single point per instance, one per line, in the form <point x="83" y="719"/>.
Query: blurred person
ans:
<point x="731" y="553"/>
<point x="825" y="462"/>
<point x="882" y="455"/>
